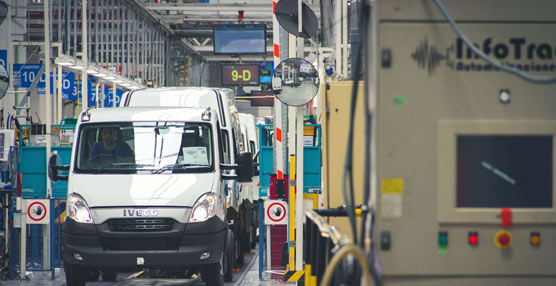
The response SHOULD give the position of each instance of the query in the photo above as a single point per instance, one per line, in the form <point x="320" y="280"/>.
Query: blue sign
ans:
<point x="24" y="74"/>
<point x="109" y="98"/>
<point x="4" y="58"/>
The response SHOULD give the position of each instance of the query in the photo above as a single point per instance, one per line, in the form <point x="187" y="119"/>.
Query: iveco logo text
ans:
<point x="134" y="212"/>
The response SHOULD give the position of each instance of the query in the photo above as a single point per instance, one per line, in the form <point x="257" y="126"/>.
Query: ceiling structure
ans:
<point x="193" y="23"/>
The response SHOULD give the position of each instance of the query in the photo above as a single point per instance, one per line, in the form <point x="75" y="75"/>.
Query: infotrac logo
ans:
<point x="515" y="52"/>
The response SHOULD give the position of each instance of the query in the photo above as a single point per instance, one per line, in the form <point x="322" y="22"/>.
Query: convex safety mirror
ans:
<point x="4" y="81"/>
<point x="295" y="82"/>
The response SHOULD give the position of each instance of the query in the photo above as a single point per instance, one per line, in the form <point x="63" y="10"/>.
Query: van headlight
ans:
<point x="204" y="208"/>
<point x="78" y="209"/>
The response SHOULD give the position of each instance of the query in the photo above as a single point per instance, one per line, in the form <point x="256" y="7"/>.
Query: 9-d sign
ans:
<point x="240" y="75"/>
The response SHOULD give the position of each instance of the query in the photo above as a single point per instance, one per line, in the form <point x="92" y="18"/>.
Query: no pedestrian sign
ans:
<point x="276" y="212"/>
<point x="38" y="211"/>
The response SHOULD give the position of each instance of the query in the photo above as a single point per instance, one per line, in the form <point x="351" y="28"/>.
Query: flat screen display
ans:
<point x="504" y="171"/>
<point x="240" y="75"/>
<point x="266" y="72"/>
<point x="259" y="100"/>
<point x="239" y="39"/>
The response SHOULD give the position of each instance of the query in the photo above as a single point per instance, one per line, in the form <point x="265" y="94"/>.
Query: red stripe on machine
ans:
<point x="280" y="175"/>
<point x="273" y="7"/>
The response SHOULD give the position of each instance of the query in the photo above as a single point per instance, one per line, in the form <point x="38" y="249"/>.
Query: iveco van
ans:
<point x="221" y="102"/>
<point x="250" y="191"/>
<point x="146" y="189"/>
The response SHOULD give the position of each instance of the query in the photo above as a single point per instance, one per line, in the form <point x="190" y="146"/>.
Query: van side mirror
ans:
<point x="245" y="167"/>
<point x="53" y="168"/>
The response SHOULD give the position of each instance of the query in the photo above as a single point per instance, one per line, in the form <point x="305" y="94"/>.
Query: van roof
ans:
<point x="174" y="96"/>
<point x="147" y="114"/>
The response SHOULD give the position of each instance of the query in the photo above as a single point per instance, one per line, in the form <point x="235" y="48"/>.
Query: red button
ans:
<point x="504" y="239"/>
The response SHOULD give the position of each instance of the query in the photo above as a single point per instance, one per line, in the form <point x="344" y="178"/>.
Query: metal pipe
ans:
<point x="84" y="90"/>
<point x="344" y="38"/>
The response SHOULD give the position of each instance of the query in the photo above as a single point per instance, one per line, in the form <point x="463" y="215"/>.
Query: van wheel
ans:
<point x="240" y="249"/>
<point x="212" y="273"/>
<point x="109" y="275"/>
<point x="92" y="275"/>
<point x="75" y="275"/>
<point x="229" y="255"/>
<point x="253" y="238"/>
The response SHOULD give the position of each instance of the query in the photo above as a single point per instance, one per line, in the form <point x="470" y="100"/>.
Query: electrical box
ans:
<point x="336" y="99"/>
<point x="465" y="162"/>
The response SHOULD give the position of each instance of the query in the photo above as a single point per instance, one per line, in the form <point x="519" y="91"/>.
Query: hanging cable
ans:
<point x="495" y="63"/>
<point x="348" y="166"/>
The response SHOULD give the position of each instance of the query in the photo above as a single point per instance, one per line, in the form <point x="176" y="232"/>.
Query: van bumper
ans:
<point x="95" y="246"/>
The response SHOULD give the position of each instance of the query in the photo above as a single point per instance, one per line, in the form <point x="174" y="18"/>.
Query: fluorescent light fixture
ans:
<point x="98" y="72"/>
<point x="64" y="60"/>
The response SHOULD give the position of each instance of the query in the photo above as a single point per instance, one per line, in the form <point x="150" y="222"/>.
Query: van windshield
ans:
<point x="150" y="147"/>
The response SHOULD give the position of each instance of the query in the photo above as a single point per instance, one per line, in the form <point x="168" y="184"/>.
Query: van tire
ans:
<point x="92" y="275"/>
<point x="253" y="238"/>
<point x="75" y="275"/>
<point x="212" y="273"/>
<point x="109" y="275"/>
<point x="241" y="249"/>
<point x="229" y="255"/>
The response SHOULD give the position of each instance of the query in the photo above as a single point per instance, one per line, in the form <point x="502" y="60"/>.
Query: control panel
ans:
<point x="465" y="153"/>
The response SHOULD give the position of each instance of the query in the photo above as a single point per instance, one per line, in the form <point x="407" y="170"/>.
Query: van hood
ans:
<point x="181" y="190"/>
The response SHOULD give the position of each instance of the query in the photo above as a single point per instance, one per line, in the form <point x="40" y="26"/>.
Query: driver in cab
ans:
<point x="109" y="149"/>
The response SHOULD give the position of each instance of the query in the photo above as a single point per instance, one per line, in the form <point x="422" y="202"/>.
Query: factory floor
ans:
<point x="248" y="275"/>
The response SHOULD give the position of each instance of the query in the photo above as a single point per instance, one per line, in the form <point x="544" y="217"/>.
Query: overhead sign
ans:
<point x="109" y="98"/>
<point x="24" y="74"/>
<point x="4" y="58"/>
<point x="38" y="211"/>
<point x="240" y="75"/>
<point x="276" y="212"/>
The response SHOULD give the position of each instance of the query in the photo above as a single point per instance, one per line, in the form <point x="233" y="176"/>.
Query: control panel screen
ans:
<point x="504" y="171"/>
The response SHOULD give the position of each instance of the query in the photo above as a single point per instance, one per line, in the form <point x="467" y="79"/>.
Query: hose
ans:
<point x="341" y="255"/>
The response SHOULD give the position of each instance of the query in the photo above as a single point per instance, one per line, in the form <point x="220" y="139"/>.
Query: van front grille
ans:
<point x="140" y="243"/>
<point x="140" y="224"/>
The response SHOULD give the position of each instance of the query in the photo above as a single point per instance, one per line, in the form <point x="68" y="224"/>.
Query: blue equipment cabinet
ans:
<point x="312" y="160"/>
<point x="32" y="166"/>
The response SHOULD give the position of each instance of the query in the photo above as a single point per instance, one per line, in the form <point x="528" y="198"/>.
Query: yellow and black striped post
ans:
<point x="298" y="276"/>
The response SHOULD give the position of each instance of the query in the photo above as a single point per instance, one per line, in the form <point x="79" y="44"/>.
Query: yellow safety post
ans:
<point x="292" y="214"/>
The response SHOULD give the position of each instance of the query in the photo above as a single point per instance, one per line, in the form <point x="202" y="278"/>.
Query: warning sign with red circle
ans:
<point x="276" y="212"/>
<point x="38" y="211"/>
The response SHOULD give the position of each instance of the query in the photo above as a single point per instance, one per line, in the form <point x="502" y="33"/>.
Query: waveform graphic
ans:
<point x="427" y="57"/>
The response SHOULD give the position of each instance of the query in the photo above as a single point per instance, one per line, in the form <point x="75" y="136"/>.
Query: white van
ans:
<point x="222" y="102"/>
<point x="250" y="191"/>
<point x="146" y="189"/>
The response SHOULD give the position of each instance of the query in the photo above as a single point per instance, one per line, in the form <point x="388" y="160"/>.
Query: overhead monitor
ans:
<point x="233" y="75"/>
<point x="266" y="72"/>
<point x="486" y="166"/>
<point x="240" y="39"/>
<point x="262" y="98"/>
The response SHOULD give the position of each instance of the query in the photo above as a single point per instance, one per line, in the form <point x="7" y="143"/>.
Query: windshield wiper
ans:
<point x="174" y="166"/>
<point x="131" y="165"/>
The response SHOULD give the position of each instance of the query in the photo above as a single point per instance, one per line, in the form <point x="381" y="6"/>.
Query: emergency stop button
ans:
<point x="503" y="239"/>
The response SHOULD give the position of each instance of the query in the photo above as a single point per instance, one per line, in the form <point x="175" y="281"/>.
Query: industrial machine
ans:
<point x="465" y="152"/>
<point x="461" y="148"/>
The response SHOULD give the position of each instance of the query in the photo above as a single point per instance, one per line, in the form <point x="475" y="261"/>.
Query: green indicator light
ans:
<point x="399" y="99"/>
<point x="443" y="238"/>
